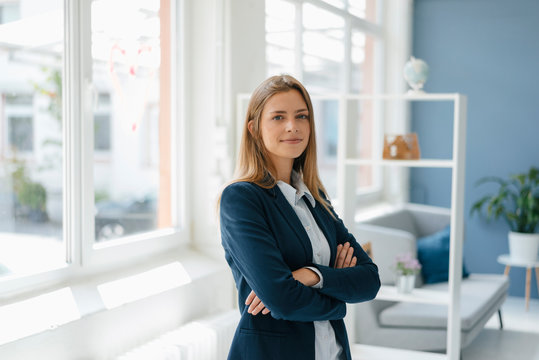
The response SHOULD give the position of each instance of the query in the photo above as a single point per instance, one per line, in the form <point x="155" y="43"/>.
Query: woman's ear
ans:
<point x="250" y="125"/>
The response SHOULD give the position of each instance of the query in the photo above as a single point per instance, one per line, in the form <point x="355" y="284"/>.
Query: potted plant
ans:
<point x="406" y="269"/>
<point x="517" y="202"/>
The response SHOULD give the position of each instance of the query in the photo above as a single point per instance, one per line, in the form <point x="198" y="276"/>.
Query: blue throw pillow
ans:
<point x="433" y="254"/>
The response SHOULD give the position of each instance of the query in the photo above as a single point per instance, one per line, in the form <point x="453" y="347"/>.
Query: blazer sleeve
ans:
<point x="249" y="242"/>
<point x="353" y="284"/>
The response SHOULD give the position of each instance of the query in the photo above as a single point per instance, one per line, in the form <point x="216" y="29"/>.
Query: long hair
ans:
<point x="254" y="164"/>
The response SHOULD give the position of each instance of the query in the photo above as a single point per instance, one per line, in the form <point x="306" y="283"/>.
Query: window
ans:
<point x="126" y="63"/>
<point x="18" y="110"/>
<point x="9" y="11"/>
<point x="332" y="46"/>
<point x="87" y="175"/>
<point x="21" y="137"/>
<point x="31" y="238"/>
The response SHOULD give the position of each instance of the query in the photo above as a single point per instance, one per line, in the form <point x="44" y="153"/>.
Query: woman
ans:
<point x="294" y="263"/>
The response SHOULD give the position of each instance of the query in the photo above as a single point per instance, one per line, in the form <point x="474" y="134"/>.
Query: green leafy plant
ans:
<point x="517" y="201"/>
<point x="29" y="193"/>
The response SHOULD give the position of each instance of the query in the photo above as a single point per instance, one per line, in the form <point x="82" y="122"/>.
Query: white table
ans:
<point x="508" y="262"/>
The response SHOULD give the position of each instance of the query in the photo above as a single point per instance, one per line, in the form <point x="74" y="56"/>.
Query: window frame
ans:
<point x="84" y="258"/>
<point x="375" y="192"/>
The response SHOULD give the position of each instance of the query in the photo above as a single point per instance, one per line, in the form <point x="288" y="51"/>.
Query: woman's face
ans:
<point x="284" y="126"/>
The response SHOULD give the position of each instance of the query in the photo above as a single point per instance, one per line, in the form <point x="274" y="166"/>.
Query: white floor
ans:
<point x="519" y="339"/>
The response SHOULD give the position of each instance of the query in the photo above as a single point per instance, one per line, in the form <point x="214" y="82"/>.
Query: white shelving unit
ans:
<point x="345" y="191"/>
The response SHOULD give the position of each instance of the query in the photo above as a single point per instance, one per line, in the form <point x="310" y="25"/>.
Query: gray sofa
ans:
<point x="419" y="326"/>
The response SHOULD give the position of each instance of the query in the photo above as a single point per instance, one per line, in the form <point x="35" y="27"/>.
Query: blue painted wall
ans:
<point x="488" y="50"/>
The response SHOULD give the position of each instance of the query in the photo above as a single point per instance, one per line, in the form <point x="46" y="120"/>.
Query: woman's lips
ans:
<point x="292" y="141"/>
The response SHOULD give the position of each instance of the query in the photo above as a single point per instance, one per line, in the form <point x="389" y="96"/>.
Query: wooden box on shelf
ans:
<point x="401" y="147"/>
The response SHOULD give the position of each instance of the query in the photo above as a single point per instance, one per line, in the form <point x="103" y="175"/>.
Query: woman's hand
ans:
<point x="345" y="256"/>
<point x="306" y="276"/>
<point x="255" y="305"/>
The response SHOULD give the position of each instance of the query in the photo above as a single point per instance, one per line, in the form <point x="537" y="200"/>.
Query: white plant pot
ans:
<point x="405" y="283"/>
<point x="523" y="247"/>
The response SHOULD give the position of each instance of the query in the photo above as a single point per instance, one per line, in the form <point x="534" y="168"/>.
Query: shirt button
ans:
<point x="307" y="228"/>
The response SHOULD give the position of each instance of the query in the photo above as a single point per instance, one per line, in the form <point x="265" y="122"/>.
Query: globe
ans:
<point x="415" y="73"/>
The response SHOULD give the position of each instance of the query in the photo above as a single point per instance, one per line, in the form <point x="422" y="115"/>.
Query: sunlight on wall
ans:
<point x="118" y="292"/>
<point x="44" y="312"/>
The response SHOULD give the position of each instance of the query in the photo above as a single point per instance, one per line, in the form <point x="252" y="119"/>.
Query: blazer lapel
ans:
<point x="292" y="218"/>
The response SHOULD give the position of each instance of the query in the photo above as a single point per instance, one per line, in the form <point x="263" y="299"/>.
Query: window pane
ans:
<point x="362" y="76"/>
<point x="362" y="113"/>
<point x="280" y="37"/>
<point x="365" y="9"/>
<point x="21" y="133"/>
<point x="337" y="3"/>
<point x="363" y="63"/>
<point x="131" y="160"/>
<point x="315" y="18"/>
<point x="326" y="115"/>
<point x="323" y="47"/>
<point x="31" y="50"/>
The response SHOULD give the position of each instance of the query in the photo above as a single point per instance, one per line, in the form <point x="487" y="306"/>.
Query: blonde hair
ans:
<point x="254" y="164"/>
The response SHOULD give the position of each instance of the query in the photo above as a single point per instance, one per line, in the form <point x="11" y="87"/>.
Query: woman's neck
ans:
<point x="284" y="169"/>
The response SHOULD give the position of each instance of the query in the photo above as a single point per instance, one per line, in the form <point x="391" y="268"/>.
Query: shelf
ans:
<point x="417" y="295"/>
<point x="368" y="352"/>
<point x="427" y="163"/>
<point x="393" y="112"/>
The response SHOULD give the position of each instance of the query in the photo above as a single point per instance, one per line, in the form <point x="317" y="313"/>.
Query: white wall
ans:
<point x="227" y="56"/>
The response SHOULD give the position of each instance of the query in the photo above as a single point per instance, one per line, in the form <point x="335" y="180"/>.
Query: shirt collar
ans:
<point x="294" y="193"/>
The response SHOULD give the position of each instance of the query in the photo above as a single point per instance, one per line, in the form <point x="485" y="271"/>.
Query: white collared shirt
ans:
<point x="326" y="345"/>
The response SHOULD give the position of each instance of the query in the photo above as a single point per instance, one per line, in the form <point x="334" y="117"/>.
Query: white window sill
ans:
<point x="74" y="301"/>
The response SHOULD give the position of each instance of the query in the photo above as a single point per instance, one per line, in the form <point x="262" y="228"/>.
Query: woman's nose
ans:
<point x="291" y="126"/>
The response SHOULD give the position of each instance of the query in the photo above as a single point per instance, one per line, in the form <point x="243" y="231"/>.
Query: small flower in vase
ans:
<point x="406" y="268"/>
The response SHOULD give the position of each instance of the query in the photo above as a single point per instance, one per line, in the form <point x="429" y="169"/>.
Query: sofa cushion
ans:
<point x="479" y="292"/>
<point x="433" y="254"/>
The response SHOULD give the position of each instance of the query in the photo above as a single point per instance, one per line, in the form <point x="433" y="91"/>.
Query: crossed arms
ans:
<point x="252" y="251"/>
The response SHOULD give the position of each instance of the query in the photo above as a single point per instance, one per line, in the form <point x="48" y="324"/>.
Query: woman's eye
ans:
<point x="278" y="117"/>
<point x="303" y="116"/>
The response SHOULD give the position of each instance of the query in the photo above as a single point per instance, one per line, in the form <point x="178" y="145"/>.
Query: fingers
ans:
<point x="345" y="256"/>
<point x="255" y="305"/>
<point x="250" y="298"/>
<point x="339" y="259"/>
<point x="349" y="255"/>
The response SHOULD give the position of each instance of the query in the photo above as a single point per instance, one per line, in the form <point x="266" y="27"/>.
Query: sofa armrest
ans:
<point x="386" y="244"/>
<point x="429" y="219"/>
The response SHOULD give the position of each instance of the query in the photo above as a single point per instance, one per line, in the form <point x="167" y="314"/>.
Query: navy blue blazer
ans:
<point x="264" y="241"/>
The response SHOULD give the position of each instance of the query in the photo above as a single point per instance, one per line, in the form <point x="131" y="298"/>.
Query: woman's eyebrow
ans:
<point x="284" y="112"/>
